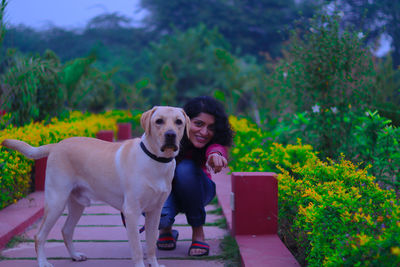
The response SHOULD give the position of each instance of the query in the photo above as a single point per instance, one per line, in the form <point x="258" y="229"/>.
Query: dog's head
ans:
<point x="165" y="126"/>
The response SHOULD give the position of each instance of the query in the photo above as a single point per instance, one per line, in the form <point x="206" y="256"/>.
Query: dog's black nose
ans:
<point x="170" y="135"/>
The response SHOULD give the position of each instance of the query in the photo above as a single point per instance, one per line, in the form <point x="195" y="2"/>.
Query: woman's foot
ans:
<point x="167" y="239"/>
<point x="198" y="247"/>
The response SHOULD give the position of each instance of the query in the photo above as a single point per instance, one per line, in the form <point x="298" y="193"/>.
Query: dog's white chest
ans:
<point x="155" y="196"/>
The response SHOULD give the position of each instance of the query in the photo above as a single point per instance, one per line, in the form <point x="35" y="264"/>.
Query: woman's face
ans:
<point x="201" y="129"/>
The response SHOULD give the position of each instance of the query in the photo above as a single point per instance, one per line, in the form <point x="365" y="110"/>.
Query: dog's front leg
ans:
<point x="132" y="213"/>
<point x="152" y="220"/>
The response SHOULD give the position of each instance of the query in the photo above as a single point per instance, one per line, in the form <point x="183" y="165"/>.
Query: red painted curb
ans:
<point x="259" y="248"/>
<point x="124" y="131"/>
<point x="264" y="250"/>
<point x="40" y="173"/>
<point x="254" y="189"/>
<point x="15" y="218"/>
<point x="106" y="135"/>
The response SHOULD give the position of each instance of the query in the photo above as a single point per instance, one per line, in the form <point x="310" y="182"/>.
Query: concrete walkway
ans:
<point x="102" y="237"/>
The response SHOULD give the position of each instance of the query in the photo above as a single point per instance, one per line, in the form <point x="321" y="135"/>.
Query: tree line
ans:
<point x="231" y="49"/>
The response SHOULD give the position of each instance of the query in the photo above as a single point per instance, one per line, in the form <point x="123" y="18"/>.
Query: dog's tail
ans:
<point x="28" y="150"/>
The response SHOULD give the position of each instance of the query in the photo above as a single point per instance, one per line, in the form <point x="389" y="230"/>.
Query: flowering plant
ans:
<point x="334" y="213"/>
<point x="15" y="169"/>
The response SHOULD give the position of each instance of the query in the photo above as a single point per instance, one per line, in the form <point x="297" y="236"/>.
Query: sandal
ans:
<point x="199" y="245"/>
<point x="166" y="239"/>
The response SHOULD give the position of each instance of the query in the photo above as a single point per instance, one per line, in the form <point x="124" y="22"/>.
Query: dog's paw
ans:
<point x="139" y="264"/>
<point x="79" y="257"/>
<point x="154" y="264"/>
<point x="45" y="264"/>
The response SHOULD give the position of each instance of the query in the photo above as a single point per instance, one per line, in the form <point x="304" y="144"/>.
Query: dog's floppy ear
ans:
<point x="145" y="120"/>
<point x="187" y="119"/>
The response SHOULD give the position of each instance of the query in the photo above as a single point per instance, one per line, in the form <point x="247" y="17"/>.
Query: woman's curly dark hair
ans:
<point x="223" y="133"/>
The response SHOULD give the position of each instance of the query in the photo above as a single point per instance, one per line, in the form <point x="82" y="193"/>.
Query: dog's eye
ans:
<point x="178" y="122"/>
<point x="159" y="121"/>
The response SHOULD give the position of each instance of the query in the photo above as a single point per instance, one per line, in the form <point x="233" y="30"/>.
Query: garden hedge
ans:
<point x="336" y="214"/>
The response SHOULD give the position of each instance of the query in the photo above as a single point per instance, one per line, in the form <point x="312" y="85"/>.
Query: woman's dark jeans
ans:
<point x="191" y="191"/>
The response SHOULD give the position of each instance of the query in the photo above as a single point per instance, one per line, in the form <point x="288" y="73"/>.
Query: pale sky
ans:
<point x="65" y="13"/>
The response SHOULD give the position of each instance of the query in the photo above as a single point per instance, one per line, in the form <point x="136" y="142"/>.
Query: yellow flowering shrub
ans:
<point x="249" y="141"/>
<point x="336" y="213"/>
<point x="15" y="169"/>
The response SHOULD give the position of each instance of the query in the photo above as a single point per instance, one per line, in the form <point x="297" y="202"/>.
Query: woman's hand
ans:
<point x="216" y="162"/>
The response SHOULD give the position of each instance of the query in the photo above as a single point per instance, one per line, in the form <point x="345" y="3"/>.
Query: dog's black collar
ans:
<point x="159" y="159"/>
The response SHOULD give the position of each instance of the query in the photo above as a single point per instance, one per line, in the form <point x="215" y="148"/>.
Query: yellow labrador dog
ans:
<point x="133" y="176"/>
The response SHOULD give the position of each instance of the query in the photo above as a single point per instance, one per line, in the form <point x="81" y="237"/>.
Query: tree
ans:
<point x="373" y="18"/>
<point x="250" y="26"/>
<point x="184" y="62"/>
<point x="264" y="25"/>
<point x="199" y="62"/>
<point x="3" y="93"/>
<point x="117" y="44"/>
<point x="109" y="21"/>
<point x="3" y="6"/>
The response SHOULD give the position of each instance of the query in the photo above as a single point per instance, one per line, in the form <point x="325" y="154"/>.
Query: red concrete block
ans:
<point x="264" y="250"/>
<point x="124" y="131"/>
<point x="254" y="203"/>
<point x="40" y="173"/>
<point x="15" y="218"/>
<point x="106" y="135"/>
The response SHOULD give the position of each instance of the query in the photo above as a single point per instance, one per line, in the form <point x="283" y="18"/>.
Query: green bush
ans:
<point x="31" y="88"/>
<point x="50" y="95"/>
<point x="38" y="88"/>
<point x="376" y="143"/>
<point x="327" y="70"/>
<point x="335" y="212"/>
<point x="387" y="97"/>
<point x="368" y="139"/>
<point x="327" y="65"/>
<point x="86" y="87"/>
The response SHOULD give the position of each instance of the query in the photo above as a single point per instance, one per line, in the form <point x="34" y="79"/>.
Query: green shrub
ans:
<point x="86" y="87"/>
<point x="369" y="139"/>
<point x="377" y="144"/>
<point x="387" y="96"/>
<point x="328" y="73"/>
<point x="327" y="65"/>
<point x="31" y="88"/>
<point x="335" y="212"/>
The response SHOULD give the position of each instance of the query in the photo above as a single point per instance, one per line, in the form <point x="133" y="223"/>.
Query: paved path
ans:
<point x="102" y="237"/>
